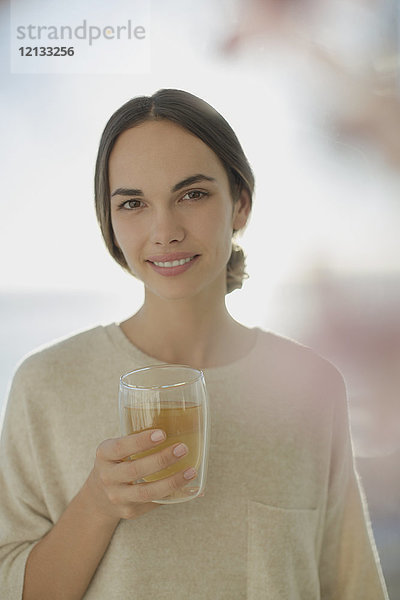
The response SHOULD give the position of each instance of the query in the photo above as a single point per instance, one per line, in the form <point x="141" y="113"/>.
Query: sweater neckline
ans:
<point x="119" y="339"/>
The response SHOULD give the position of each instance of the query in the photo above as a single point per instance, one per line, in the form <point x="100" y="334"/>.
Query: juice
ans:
<point x="182" y="422"/>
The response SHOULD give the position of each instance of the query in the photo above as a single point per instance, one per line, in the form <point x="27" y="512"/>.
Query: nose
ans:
<point x="166" y="228"/>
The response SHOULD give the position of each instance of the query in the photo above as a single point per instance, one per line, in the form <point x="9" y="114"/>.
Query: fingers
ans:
<point x="130" y="471"/>
<point x="119" y="448"/>
<point x="156" y="490"/>
<point x="114" y="474"/>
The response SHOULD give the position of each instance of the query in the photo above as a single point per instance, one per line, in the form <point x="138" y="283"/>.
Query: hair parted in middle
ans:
<point x="201" y="119"/>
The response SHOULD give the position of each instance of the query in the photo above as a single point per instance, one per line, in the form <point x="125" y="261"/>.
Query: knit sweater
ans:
<point x="282" y="517"/>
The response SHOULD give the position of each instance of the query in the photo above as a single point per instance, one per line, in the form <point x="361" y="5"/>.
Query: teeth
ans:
<point x="174" y="263"/>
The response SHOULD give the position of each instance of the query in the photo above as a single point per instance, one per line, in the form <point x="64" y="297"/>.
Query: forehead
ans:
<point x="161" y="149"/>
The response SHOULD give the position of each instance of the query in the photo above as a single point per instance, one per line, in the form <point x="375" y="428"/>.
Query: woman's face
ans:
<point x="171" y="209"/>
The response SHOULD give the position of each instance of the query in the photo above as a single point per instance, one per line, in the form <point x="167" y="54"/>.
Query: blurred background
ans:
<point x="312" y="89"/>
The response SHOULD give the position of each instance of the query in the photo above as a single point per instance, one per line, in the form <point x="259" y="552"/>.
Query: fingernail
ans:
<point x="180" y="450"/>
<point x="189" y="473"/>
<point x="157" y="435"/>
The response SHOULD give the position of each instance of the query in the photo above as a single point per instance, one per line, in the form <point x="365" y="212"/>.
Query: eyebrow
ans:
<point x="178" y="186"/>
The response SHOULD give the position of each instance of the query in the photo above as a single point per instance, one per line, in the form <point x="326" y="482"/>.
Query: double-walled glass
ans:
<point x="172" y="398"/>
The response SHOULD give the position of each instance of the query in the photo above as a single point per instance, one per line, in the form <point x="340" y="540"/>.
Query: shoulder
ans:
<point x="292" y="365"/>
<point x="63" y="355"/>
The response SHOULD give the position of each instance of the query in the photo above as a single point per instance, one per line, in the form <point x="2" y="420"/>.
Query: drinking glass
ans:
<point x="172" y="398"/>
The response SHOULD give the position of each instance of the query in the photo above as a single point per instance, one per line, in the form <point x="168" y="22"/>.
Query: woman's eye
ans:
<point x="194" y="195"/>
<point x="131" y="204"/>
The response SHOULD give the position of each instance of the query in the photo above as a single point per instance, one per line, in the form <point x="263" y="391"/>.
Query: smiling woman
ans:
<point x="282" y="516"/>
<point x="174" y="213"/>
<point x="192" y="116"/>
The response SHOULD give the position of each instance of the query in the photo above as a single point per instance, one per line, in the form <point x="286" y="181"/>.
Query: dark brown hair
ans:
<point x="202" y="120"/>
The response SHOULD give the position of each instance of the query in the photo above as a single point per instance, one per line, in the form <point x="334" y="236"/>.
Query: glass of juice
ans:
<point x="172" y="398"/>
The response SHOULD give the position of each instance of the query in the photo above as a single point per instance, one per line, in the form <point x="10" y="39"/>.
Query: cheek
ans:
<point x="217" y="230"/>
<point x="125" y="231"/>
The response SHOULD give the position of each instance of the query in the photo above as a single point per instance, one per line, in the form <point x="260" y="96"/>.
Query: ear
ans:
<point x="241" y="211"/>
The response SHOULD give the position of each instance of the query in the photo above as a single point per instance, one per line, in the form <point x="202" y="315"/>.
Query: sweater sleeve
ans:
<point x="349" y="564"/>
<point x="23" y="515"/>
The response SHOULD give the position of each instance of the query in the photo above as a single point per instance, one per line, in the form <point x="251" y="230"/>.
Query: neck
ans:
<point x="190" y="331"/>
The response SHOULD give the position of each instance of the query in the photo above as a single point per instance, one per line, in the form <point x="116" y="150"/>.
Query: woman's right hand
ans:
<point x="111" y="482"/>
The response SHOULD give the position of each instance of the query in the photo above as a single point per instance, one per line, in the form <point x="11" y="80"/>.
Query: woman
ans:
<point x="282" y="515"/>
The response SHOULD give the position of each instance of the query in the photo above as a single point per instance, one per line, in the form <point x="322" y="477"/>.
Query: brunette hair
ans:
<point x="202" y="120"/>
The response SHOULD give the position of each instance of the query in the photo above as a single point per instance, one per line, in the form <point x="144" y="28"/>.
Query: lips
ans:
<point x="164" y="258"/>
<point x="172" y="264"/>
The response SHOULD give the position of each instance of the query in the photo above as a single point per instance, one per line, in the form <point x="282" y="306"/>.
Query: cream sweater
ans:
<point x="281" y="518"/>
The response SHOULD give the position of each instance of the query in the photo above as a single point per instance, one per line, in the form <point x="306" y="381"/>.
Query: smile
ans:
<point x="171" y="268"/>
<point x="174" y="263"/>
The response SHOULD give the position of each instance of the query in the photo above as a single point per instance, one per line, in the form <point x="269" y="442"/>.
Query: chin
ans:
<point x="179" y="293"/>
<point x="186" y="290"/>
